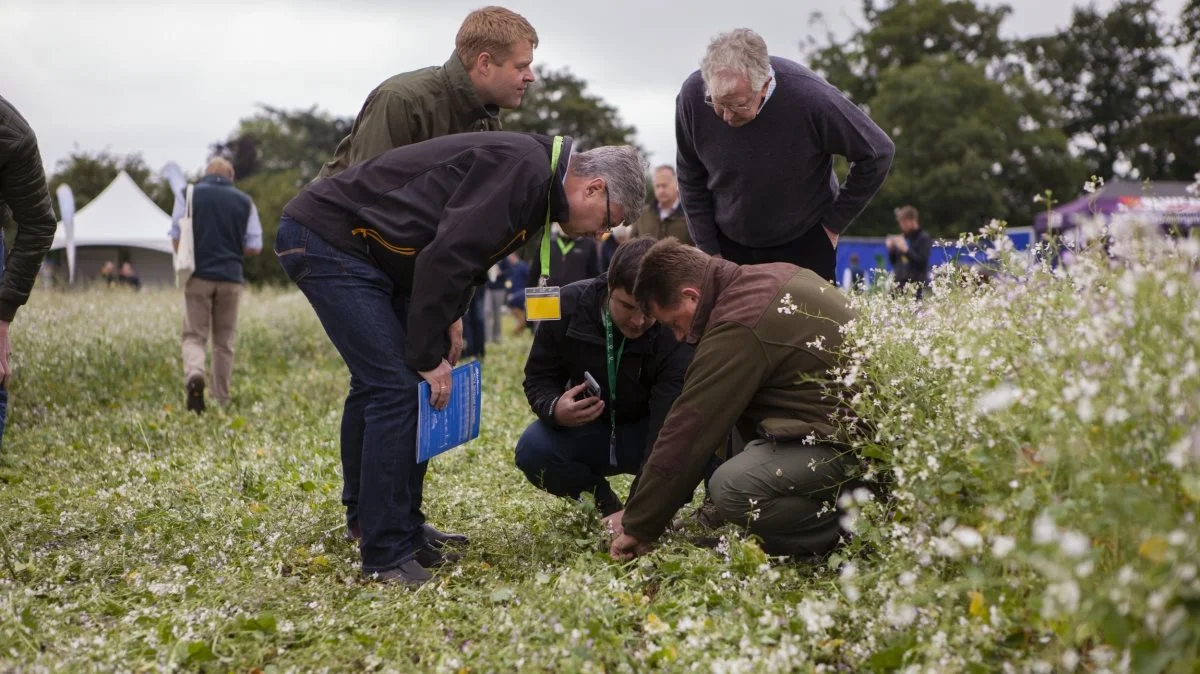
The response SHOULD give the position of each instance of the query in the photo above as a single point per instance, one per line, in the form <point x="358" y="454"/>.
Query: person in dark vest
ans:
<point x="665" y="216"/>
<point x="577" y="441"/>
<point x="225" y="230"/>
<point x="571" y="259"/>
<point x="756" y="137"/>
<point x="909" y="252"/>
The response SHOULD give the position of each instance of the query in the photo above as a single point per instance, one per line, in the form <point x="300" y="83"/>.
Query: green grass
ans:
<point x="1039" y="434"/>
<point x="137" y="536"/>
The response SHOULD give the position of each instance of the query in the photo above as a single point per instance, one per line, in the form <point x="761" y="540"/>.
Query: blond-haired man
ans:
<point x="225" y="229"/>
<point x="490" y="69"/>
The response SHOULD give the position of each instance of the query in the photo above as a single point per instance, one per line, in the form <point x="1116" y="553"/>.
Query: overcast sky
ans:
<point x="167" y="78"/>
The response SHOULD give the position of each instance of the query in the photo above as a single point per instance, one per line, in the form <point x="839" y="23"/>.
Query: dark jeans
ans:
<point x="813" y="250"/>
<point x="570" y="461"/>
<point x="366" y="322"/>
<point x="475" y="325"/>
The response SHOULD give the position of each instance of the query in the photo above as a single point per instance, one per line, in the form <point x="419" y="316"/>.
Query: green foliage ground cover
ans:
<point x="1037" y="434"/>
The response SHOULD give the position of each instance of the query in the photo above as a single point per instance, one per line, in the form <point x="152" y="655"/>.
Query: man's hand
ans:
<point x="901" y="245"/>
<point x="439" y="385"/>
<point x="571" y="413"/>
<point x="626" y="547"/>
<point x="455" y="333"/>
<point x="613" y="523"/>
<point x="833" y="236"/>
<point x="5" y="348"/>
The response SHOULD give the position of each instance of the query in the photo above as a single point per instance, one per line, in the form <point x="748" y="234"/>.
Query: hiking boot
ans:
<point x="431" y="557"/>
<point x="706" y="517"/>
<point x="437" y="539"/>
<point x="353" y="533"/>
<point x="410" y="574"/>
<point x="607" y="501"/>
<point x="195" y="395"/>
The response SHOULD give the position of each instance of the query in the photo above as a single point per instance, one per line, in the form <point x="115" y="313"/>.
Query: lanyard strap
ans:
<point x="556" y="150"/>
<point x="564" y="248"/>
<point x="613" y="365"/>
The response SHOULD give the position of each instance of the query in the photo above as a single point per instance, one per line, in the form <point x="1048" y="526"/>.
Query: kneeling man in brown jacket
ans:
<point x="766" y="337"/>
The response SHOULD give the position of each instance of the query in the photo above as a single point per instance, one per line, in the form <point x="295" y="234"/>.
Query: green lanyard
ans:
<point x="564" y="248"/>
<point x="613" y="365"/>
<point x="556" y="150"/>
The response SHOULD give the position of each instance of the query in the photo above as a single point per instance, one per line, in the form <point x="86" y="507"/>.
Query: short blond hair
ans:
<point x="219" y="166"/>
<point x="494" y="30"/>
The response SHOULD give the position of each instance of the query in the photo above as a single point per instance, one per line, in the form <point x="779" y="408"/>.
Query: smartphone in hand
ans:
<point x="593" y="387"/>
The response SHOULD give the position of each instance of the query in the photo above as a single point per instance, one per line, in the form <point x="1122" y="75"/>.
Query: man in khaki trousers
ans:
<point x="225" y="229"/>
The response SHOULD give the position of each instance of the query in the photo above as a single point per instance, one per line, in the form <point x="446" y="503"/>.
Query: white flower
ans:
<point x="1044" y="529"/>
<point x="999" y="398"/>
<point x="967" y="537"/>
<point x="1002" y="545"/>
<point x="1070" y="659"/>
<point x="1074" y="544"/>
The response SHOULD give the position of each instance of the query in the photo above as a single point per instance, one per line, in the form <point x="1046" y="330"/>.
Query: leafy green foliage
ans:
<point x="88" y="173"/>
<point x="559" y="104"/>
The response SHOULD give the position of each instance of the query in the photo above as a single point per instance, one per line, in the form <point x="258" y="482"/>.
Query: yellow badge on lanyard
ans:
<point x="542" y="301"/>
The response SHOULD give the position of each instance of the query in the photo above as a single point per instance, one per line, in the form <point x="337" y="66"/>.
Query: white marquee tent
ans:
<point x="121" y="216"/>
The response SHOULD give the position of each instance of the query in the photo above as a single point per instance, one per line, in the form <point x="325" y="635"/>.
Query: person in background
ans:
<point x="854" y="275"/>
<point x="515" y="277"/>
<point x="579" y="438"/>
<point x="755" y="368"/>
<point x="495" y="294"/>
<point x="756" y="136"/>
<point x="25" y="193"/>
<point x="475" y="326"/>
<point x="665" y="217"/>
<point x="129" y="277"/>
<point x="909" y="251"/>
<point x="225" y="231"/>
<point x="571" y="259"/>
<point x="108" y="273"/>
<point x="610" y="241"/>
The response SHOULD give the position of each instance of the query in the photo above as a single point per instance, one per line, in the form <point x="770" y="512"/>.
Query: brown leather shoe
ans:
<point x="437" y="539"/>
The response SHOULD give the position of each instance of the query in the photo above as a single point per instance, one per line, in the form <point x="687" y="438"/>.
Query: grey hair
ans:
<point x="623" y="171"/>
<point x="738" y="54"/>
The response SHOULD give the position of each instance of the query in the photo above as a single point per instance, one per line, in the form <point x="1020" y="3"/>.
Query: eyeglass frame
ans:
<point x="739" y="109"/>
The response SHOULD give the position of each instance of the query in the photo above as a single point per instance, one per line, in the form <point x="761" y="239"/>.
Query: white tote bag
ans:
<point x="185" y="254"/>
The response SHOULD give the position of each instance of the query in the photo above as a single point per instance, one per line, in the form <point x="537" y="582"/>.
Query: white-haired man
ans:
<point x="756" y="178"/>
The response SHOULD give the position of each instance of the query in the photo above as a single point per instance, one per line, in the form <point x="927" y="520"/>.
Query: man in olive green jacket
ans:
<point x="665" y="217"/>
<point x="490" y="69"/>
<point x="766" y="339"/>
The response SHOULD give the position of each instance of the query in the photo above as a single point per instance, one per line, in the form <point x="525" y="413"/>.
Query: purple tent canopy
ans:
<point x="1168" y="202"/>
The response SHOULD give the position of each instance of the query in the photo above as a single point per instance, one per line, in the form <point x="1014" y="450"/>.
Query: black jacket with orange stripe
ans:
<point x="436" y="215"/>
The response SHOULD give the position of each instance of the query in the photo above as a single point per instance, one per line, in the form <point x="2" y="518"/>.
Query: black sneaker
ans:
<point x="409" y="573"/>
<point x="195" y="395"/>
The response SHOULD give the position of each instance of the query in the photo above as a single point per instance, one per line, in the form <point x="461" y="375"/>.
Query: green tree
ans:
<point x="88" y="173"/>
<point x="1125" y="97"/>
<point x="559" y="104"/>
<point x="974" y="139"/>
<point x="969" y="148"/>
<point x="275" y="153"/>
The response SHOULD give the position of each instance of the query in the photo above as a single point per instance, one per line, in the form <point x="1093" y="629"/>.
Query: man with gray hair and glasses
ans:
<point x="756" y="178"/>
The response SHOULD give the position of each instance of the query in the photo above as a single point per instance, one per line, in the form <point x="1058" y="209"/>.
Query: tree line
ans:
<point x="981" y="122"/>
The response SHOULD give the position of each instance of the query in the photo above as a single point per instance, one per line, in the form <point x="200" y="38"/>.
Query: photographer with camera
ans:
<point x="583" y="433"/>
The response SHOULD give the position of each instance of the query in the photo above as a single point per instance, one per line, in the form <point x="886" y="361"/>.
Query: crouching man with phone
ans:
<point x="601" y="380"/>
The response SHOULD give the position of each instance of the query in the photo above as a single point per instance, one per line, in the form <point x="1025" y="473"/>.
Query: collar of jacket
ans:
<point x="467" y="106"/>
<point x="717" y="276"/>
<point x="560" y="212"/>
<point x="587" y="326"/>
<point x="216" y="180"/>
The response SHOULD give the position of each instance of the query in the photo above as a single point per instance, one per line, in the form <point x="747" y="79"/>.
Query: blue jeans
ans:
<point x="366" y="321"/>
<point x="570" y="461"/>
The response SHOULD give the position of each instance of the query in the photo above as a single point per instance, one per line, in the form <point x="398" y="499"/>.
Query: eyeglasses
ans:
<point x="608" y="212"/>
<point x="739" y="109"/>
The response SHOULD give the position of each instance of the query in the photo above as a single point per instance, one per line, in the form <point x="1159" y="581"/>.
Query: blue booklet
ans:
<point x="458" y="423"/>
